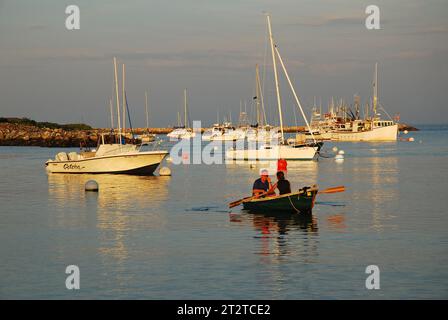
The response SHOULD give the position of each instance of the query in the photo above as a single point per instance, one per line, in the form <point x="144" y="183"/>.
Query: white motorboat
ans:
<point x="177" y="133"/>
<point x="229" y="134"/>
<point x="215" y="131"/>
<point x="108" y="158"/>
<point x="266" y="134"/>
<point x="112" y="158"/>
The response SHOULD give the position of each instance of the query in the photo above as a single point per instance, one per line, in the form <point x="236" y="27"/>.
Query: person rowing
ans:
<point x="263" y="184"/>
<point x="282" y="184"/>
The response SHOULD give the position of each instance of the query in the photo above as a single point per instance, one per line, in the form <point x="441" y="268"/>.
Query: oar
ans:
<point x="238" y="202"/>
<point x="333" y="189"/>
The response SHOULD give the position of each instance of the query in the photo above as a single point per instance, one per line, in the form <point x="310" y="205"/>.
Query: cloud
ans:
<point x="331" y="20"/>
<point x="429" y="31"/>
<point x="409" y="54"/>
<point x="145" y="57"/>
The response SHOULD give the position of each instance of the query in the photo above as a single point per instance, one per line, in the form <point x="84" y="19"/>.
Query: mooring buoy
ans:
<point x="165" y="171"/>
<point x="91" y="185"/>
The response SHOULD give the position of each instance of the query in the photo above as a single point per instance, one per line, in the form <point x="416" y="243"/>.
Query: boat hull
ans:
<point x="388" y="133"/>
<point x="301" y="202"/>
<point x="136" y="163"/>
<point x="274" y="153"/>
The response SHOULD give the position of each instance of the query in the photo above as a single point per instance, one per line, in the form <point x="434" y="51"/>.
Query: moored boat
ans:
<point x="301" y="202"/>
<point x="113" y="156"/>
<point x="125" y="159"/>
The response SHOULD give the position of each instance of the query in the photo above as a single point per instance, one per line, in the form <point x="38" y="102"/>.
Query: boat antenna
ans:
<point x="375" y="90"/>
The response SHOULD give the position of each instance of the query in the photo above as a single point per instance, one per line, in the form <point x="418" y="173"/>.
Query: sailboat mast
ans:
<point x="124" y="99"/>
<point x="276" y="79"/>
<point x="111" y="114"/>
<point x="118" y="99"/>
<point x="375" y="90"/>
<point x="185" y="109"/>
<point x="146" y="108"/>
<point x="260" y="92"/>
<point x="257" y="95"/>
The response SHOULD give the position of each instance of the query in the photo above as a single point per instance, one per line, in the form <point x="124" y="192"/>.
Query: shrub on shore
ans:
<point x="50" y="125"/>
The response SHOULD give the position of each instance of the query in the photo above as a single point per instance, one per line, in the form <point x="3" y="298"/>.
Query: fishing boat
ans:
<point x="301" y="202"/>
<point x="342" y="124"/>
<point x="282" y="149"/>
<point x="112" y="157"/>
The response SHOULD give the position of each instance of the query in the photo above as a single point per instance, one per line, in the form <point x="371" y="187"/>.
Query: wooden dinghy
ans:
<point x="301" y="201"/>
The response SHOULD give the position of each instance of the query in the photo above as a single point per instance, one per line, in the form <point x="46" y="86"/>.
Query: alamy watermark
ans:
<point x="72" y="282"/>
<point x="373" y="18"/>
<point x="73" y="20"/>
<point x="373" y="280"/>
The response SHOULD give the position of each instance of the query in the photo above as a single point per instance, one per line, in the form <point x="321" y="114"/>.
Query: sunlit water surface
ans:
<point x="174" y="237"/>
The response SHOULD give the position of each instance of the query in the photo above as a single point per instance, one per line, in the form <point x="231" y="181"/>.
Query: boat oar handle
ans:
<point x="238" y="202"/>
<point x="333" y="189"/>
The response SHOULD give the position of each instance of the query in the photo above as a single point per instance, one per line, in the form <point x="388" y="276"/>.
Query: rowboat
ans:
<point x="301" y="202"/>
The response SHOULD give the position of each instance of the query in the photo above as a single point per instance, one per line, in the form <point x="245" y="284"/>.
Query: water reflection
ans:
<point x="378" y="178"/>
<point x="123" y="204"/>
<point x="279" y="235"/>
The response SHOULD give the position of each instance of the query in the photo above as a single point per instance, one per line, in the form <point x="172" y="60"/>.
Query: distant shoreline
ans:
<point x="16" y="134"/>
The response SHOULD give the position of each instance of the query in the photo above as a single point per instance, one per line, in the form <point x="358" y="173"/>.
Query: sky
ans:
<point x="49" y="73"/>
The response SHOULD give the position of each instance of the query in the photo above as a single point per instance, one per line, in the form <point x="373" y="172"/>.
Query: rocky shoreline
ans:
<point x="25" y="135"/>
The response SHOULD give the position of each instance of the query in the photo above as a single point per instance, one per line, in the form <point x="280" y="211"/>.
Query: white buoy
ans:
<point x="165" y="171"/>
<point x="339" y="158"/>
<point x="91" y="185"/>
<point x="405" y="131"/>
<point x="411" y="139"/>
<point x="335" y="149"/>
<point x="341" y="152"/>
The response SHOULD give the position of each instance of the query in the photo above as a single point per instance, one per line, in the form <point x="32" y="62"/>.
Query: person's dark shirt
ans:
<point x="284" y="186"/>
<point x="258" y="184"/>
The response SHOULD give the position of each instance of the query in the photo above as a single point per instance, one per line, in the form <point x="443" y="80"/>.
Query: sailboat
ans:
<point x="261" y="131"/>
<point x="147" y="137"/>
<point x="111" y="158"/>
<point x="183" y="132"/>
<point x="282" y="150"/>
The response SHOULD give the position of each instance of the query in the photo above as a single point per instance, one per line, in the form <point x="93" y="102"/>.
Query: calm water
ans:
<point x="174" y="238"/>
